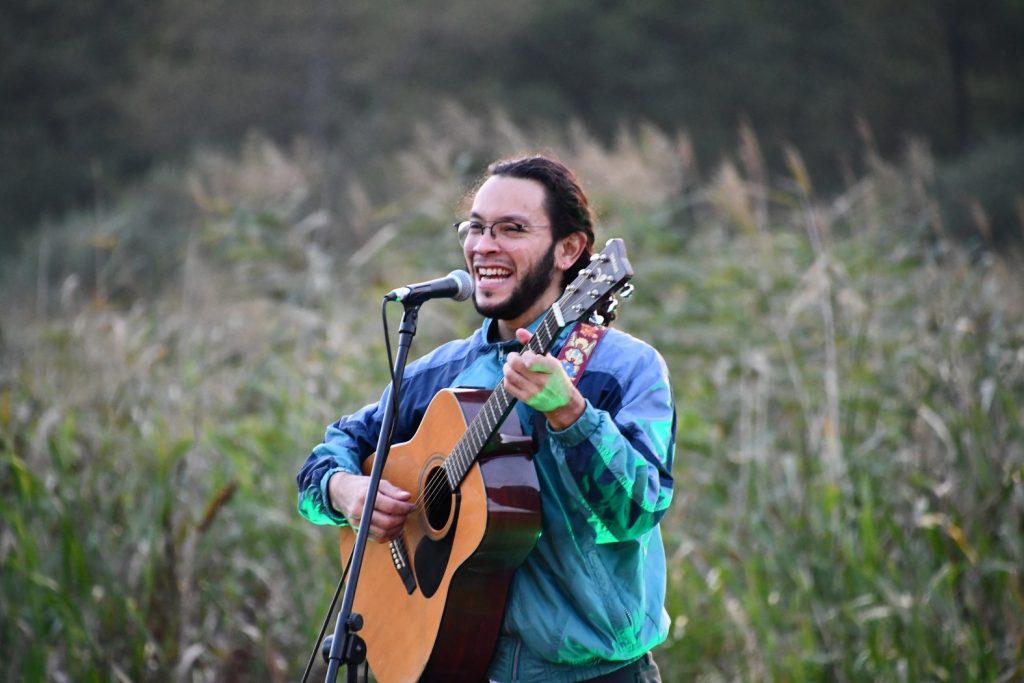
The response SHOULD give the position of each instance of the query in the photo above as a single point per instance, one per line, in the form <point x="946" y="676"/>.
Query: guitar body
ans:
<point x="441" y="620"/>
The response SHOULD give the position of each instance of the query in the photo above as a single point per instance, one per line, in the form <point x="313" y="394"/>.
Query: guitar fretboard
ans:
<point x="494" y="410"/>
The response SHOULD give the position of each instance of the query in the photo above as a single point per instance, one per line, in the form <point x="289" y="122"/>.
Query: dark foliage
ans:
<point x="92" y="92"/>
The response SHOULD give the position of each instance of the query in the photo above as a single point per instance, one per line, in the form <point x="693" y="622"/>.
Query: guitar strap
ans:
<point x="576" y="352"/>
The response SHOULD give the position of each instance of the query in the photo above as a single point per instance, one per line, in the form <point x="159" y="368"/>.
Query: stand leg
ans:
<point x="346" y="647"/>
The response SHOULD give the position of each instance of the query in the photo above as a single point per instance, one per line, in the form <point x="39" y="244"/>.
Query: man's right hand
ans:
<point x="392" y="506"/>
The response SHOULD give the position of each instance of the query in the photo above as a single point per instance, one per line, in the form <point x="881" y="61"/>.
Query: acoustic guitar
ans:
<point x="433" y="599"/>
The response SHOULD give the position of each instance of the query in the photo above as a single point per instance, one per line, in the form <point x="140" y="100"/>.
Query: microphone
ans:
<point x="456" y="285"/>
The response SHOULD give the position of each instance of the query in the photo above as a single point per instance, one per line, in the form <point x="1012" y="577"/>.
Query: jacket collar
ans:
<point x="490" y="327"/>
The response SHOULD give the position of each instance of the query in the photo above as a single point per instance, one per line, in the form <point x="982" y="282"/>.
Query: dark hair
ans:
<point x="565" y="203"/>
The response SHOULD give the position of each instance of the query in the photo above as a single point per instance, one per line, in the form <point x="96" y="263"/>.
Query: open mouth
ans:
<point x="492" y="274"/>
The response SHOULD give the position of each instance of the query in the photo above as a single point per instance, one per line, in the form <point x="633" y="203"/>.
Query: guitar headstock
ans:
<point x="608" y="273"/>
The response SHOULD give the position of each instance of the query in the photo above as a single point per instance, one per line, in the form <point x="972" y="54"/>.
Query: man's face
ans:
<point x="515" y="280"/>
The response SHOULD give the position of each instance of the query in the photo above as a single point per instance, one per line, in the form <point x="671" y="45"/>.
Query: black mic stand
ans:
<point x="346" y="647"/>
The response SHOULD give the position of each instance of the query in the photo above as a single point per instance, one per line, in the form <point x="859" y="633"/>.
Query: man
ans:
<point x="588" y="602"/>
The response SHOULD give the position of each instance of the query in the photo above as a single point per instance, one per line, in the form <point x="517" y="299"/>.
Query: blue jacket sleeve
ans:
<point x="353" y="438"/>
<point x="346" y="444"/>
<point x="619" y="453"/>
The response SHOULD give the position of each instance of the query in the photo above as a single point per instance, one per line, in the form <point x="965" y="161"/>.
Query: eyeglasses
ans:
<point x="506" y="232"/>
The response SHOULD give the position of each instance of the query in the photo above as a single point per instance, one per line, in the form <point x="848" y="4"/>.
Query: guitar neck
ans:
<point x="606" y="273"/>
<point x="494" y="411"/>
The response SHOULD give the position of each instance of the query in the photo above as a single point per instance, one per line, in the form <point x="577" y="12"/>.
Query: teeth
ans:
<point x="493" y="272"/>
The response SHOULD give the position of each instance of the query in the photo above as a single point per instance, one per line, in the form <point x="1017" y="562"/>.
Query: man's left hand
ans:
<point x="540" y="382"/>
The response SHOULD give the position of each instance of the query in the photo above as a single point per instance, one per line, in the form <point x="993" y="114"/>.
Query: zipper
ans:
<point x="515" y="661"/>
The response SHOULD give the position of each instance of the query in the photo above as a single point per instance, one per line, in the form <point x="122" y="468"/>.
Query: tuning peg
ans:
<point x="627" y="291"/>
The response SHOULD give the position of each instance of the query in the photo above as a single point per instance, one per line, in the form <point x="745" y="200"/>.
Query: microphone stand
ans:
<point x="346" y="647"/>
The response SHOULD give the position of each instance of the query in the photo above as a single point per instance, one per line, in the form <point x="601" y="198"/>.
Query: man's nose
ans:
<point x="487" y="240"/>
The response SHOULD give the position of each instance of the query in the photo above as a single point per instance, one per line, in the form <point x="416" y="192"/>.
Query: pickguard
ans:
<point x="432" y="555"/>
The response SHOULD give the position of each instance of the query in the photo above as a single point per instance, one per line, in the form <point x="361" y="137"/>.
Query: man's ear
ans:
<point x="569" y="249"/>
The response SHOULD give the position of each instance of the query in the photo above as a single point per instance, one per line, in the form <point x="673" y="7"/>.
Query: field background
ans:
<point x="845" y="333"/>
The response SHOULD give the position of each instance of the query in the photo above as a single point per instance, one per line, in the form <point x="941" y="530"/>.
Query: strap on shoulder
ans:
<point x="576" y="352"/>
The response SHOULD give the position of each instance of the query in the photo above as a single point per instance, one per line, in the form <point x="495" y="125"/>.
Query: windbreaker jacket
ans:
<point x="590" y="596"/>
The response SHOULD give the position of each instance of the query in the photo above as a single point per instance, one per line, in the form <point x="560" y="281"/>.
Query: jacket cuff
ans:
<point x="329" y="510"/>
<point x="580" y="430"/>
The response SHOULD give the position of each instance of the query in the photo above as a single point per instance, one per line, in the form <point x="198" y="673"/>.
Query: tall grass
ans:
<point x="850" y="386"/>
<point x="852" y="404"/>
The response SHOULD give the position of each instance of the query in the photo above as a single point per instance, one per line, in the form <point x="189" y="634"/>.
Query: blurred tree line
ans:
<point x="92" y="93"/>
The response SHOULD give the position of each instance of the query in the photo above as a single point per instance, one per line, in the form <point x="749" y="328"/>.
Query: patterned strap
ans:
<point x="578" y="348"/>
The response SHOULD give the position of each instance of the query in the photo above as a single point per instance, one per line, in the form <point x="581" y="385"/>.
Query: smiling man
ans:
<point x="588" y="602"/>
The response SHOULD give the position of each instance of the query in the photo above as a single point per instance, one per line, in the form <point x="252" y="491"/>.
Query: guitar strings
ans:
<point x="437" y="487"/>
<point x="548" y="328"/>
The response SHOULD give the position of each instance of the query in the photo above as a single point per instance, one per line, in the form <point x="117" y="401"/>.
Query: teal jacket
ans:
<point x="590" y="596"/>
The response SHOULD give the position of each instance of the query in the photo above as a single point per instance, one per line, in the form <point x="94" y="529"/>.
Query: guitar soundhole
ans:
<point x="438" y="499"/>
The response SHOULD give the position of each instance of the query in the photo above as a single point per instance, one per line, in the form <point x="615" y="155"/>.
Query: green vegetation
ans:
<point x="850" y="387"/>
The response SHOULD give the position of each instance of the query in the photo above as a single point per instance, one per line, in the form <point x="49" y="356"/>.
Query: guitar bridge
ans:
<point x="400" y="558"/>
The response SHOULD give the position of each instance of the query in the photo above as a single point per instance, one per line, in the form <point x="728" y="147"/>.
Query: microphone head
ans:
<point x="465" y="283"/>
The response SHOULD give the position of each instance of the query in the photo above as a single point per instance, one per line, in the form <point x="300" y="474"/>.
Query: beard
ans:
<point x="533" y="284"/>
